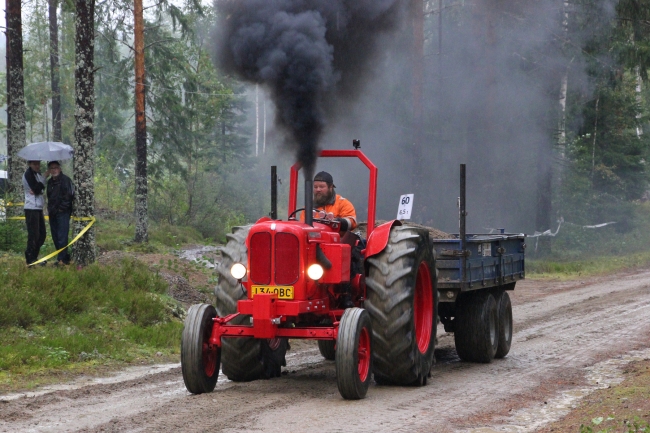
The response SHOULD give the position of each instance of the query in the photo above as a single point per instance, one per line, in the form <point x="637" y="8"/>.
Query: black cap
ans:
<point x="324" y="176"/>
<point x="53" y="162"/>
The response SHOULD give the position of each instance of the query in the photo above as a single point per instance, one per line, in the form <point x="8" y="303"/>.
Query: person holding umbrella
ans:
<point x="34" y="186"/>
<point x="60" y="192"/>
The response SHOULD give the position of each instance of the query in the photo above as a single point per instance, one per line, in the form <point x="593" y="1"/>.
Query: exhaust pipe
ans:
<point x="274" y="192"/>
<point x="309" y="199"/>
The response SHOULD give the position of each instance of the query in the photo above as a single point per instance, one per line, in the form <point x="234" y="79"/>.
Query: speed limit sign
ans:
<point x="405" y="206"/>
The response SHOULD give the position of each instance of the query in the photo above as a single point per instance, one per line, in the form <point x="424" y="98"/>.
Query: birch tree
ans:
<point x="84" y="250"/>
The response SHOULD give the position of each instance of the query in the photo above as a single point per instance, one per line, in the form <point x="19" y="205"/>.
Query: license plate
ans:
<point x="283" y="292"/>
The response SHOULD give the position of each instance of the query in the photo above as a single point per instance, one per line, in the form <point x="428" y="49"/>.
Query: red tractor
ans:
<point x="288" y="279"/>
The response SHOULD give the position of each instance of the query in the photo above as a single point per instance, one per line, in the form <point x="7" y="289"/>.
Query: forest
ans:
<point x="546" y="101"/>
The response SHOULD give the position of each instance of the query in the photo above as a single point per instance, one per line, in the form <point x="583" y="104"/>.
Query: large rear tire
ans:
<point x="242" y="359"/>
<point x="199" y="361"/>
<point x="476" y="327"/>
<point x="354" y="354"/>
<point x="401" y="301"/>
<point x="504" y="308"/>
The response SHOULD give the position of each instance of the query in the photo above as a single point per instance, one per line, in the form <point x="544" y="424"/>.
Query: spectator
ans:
<point x="34" y="185"/>
<point x="60" y="192"/>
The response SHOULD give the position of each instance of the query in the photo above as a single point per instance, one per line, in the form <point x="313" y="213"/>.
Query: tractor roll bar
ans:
<point x="372" y="184"/>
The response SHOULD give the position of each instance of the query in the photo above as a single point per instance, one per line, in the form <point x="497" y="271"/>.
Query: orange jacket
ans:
<point x="340" y="208"/>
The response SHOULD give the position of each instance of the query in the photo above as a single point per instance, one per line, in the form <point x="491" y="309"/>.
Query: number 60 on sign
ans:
<point x="405" y="206"/>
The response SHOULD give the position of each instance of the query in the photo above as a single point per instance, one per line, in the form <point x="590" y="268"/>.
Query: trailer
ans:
<point x="474" y="274"/>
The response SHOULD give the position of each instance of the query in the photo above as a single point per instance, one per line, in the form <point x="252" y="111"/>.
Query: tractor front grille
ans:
<point x="260" y="258"/>
<point x="287" y="258"/>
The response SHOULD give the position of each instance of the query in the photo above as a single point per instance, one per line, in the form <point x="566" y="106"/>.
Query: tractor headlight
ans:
<point x="315" y="271"/>
<point x="238" y="271"/>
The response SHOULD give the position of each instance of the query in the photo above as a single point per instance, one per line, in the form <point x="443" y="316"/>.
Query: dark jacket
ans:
<point x="59" y="194"/>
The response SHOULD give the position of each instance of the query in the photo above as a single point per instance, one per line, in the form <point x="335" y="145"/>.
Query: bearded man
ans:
<point x="327" y="200"/>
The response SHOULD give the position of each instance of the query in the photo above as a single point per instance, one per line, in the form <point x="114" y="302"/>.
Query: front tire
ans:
<point x="199" y="361"/>
<point x="354" y="354"/>
<point x="401" y="301"/>
<point x="242" y="359"/>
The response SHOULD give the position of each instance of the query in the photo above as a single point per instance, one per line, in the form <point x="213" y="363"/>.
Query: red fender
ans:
<point x="378" y="239"/>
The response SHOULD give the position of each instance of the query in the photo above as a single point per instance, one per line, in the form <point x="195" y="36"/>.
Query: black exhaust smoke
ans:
<point x="309" y="54"/>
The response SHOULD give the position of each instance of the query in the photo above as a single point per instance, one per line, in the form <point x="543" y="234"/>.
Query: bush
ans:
<point x="13" y="236"/>
<point x="55" y="318"/>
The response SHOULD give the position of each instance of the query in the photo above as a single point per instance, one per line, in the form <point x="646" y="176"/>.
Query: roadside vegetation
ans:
<point x="623" y="408"/>
<point x="577" y="251"/>
<point x="70" y="321"/>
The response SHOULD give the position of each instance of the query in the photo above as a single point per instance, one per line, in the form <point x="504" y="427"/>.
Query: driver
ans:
<point x="326" y="199"/>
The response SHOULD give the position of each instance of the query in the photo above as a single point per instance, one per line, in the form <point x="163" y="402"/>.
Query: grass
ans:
<point x="117" y="235"/>
<point x="601" y="265"/>
<point x="621" y="408"/>
<point x="56" y="320"/>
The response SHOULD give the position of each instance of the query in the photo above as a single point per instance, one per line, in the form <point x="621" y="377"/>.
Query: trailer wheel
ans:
<point x="504" y="308"/>
<point x="401" y="301"/>
<point x="242" y="359"/>
<point x="354" y="354"/>
<point x="199" y="361"/>
<point x="476" y="327"/>
<point x="327" y="348"/>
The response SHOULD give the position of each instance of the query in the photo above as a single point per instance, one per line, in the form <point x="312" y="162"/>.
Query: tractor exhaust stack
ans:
<point x="309" y="200"/>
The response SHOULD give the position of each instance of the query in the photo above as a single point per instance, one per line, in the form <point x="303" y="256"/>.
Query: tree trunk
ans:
<point x="54" y="71"/>
<point x="544" y="196"/>
<point x="141" y="220"/>
<point x="257" y="119"/>
<point x="84" y="251"/>
<point x="7" y="62"/>
<point x="561" y="141"/>
<point x="264" y="127"/>
<point x="639" y="100"/>
<point x="16" y="95"/>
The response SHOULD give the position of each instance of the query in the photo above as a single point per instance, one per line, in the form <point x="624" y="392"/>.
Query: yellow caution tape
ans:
<point x="81" y="233"/>
<point x="47" y="218"/>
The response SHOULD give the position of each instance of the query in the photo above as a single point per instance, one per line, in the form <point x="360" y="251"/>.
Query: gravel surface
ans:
<point x="563" y="333"/>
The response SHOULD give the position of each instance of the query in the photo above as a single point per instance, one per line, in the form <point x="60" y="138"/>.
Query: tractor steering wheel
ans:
<point x="295" y="212"/>
<point x="319" y="220"/>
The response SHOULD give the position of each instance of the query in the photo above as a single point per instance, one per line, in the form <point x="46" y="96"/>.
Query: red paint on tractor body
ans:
<point x="282" y="300"/>
<point x="378" y="240"/>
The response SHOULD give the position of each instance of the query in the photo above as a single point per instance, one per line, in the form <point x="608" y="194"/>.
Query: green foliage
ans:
<point x="13" y="236"/>
<point x="52" y="318"/>
<point x="36" y="296"/>
<point x="116" y="234"/>
<point x="608" y="150"/>
<point x="636" y="425"/>
<point x="633" y="42"/>
<point x="582" y="251"/>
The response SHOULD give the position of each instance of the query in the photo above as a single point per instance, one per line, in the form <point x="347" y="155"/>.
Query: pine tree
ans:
<point x="141" y="213"/>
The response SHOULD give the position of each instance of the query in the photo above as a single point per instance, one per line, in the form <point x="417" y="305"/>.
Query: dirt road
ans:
<point x="569" y="338"/>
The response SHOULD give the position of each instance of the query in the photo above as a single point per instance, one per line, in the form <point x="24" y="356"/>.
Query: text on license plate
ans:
<point x="284" y="292"/>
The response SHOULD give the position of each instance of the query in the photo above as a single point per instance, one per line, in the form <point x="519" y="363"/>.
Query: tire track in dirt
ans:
<point x="558" y="333"/>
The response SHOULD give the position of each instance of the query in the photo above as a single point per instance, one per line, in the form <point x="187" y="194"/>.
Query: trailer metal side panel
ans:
<point x="491" y="261"/>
